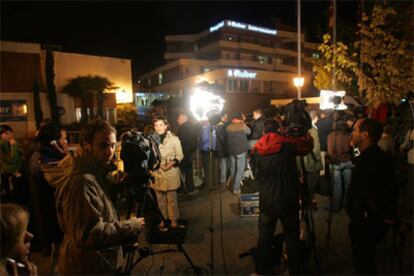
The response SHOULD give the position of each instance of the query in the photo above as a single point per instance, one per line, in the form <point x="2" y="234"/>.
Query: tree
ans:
<point x="85" y="87"/>
<point x="386" y="46"/>
<point x="51" y="89"/>
<point x="336" y="62"/>
<point x="36" y="102"/>
<point x="127" y="114"/>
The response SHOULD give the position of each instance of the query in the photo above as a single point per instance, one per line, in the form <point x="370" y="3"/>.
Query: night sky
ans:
<point x="136" y="30"/>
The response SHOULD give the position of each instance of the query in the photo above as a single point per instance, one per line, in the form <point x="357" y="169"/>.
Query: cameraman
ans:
<point x="93" y="234"/>
<point x="278" y="179"/>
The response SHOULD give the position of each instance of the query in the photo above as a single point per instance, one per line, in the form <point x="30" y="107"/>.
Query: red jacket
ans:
<point x="271" y="143"/>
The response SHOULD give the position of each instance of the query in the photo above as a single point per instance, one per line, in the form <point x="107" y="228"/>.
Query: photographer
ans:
<point x="277" y="175"/>
<point x="93" y="233"/>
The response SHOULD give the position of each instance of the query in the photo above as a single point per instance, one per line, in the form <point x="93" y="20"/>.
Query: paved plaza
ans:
<point x="239" y="234"/>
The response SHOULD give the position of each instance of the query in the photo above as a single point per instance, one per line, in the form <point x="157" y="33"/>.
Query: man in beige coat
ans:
<point x="93" y="234"/>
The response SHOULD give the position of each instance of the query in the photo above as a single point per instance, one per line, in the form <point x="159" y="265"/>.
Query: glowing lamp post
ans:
<point x="298" y="83"/>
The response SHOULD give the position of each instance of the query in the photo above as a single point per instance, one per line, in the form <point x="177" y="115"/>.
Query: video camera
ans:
<point x="140" y="155"/>
<point x="297" y="119"/>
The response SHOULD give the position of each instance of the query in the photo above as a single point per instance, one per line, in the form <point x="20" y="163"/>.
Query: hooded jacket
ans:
<point x="276" y="172"/>
<point x="236" y="137"/>
<point x="93" y="234"/>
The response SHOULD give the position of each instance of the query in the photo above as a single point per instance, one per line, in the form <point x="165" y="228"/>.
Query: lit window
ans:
<point x="149" y="82"/>
<point x="195" y="47"/>
<point x="277" y="61"/>
<point x="231" y="85"/>
<point x="206" y="69"/>
<point x="315" y="55"/>
<point x="159" y="78"/>
<point x="262" y="59"/>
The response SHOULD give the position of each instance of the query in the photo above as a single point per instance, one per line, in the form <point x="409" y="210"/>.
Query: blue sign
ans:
<point x="13" y="110"/>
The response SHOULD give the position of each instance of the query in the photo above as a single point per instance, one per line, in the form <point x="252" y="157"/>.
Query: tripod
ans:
<point x="171" y="238"/>
<point x="306" y="215"/>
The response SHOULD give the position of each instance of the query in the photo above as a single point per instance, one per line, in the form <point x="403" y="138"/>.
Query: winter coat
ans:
<point x="372" y="190"/>
<point x="324" y="126"/>
<point x="339" y="148"/>
<point x="237" y="142"/>
<point x="45" y="158"/>
<point x="93" y="234"/>
<point x="170" y="150"/>
<point x="276" y="173"/>
<point x="188" y="135"/>
<point x="221" y="148"/>
<point x="257" y="128"/>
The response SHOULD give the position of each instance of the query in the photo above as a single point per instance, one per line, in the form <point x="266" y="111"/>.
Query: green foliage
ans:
<point x="386" y="45"/>
<point x="338" y="60"/>
<point x="85" y="87"/>
<point x="127" y="114"/>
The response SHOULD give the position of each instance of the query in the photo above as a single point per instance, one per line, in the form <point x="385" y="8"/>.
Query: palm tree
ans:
<point x="85" y="87"/>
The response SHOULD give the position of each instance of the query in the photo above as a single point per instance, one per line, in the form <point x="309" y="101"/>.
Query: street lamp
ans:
<point x="298" y="81"/>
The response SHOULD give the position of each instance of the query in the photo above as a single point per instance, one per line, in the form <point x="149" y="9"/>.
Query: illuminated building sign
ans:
<point x="236" y="73"/>
<point x="242" y="26"/>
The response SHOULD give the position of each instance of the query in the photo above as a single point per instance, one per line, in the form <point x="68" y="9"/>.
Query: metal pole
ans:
<point x="299" y="50"/>
<point x="334" y="45"/>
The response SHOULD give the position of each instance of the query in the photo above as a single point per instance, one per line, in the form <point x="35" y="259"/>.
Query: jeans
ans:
<point x="237" y="164"/>
<point x="341" y="176"/>
<point x="267" y="224"/>
<point x="223" y="169"/>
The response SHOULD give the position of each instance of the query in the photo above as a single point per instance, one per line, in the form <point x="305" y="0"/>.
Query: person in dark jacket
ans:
<point x="206" y="147"/>
<point x="277" y="175"/>
<point x="188" y="134"/>
<point x="47" y="154"/>
<point x="237" y="146"/>
<point x="222" y="154"/>
<point x="324" y="125"/>
<point x="257" y="126"/>
<point x="371" y="197"/>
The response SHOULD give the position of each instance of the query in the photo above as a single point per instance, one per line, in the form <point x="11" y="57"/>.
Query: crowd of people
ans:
<point x="69" y="195"/>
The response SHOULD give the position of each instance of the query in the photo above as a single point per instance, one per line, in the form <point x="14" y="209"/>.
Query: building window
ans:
<point x="231" y="85"/>
<point x="149" y="82"/>
<point x="159" y="78"/>
<point x="195" y="47"/>
<point x="277" y="61"/>
<point x="315" y="55"/>
<point x="244" y="85"/>
<point x="262" y="59"/>
<point x="230" y="37"/>
<point x="206" y="69"/>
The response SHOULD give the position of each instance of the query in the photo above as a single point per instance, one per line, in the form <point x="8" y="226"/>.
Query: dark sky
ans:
<point x="136" y="30"/>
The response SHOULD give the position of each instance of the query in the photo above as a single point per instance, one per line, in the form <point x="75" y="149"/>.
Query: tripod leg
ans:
<point x="196" y="269"/>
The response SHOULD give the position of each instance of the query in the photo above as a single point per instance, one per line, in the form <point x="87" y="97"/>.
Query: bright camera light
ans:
<point x="204" y="104"/>
<point x="332" y="100"/>
<point x="298" y="81"/>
